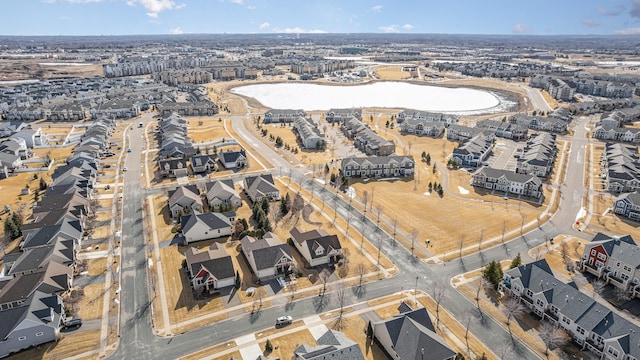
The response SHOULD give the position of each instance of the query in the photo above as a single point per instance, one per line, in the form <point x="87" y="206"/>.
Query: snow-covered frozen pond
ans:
<point x="311" y="97"/>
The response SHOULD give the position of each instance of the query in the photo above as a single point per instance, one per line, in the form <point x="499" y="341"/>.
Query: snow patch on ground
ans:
<point x="581" y="214"/>
<point x="427" y="193"/>
<point x="389" y="179"/>
<point x="351" y="192"/>
<point x="462" y="190"/>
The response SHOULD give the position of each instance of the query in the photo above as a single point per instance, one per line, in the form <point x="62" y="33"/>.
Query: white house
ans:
<point x="317" y="246"/>
<point x="197" y="226"/>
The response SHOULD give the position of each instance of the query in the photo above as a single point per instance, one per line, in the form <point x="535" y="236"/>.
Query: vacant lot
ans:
<point x="201" y="129"/>
<point x="391" y="73"/>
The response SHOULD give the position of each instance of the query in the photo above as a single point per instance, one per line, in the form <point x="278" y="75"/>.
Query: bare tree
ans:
<point x="373" y="190"/>
<point x="260" y="294"/>
<point x="522" y="223"/>
<point x="482" y="284"/>
<point x="324" y="277"/>
<point x="512" y="308"/>
<point x="378" y="211"/>
<point x="395" y="224"/>
<point x="461" y="242"/>
<point x="438" y="292"/>
<point x="379" y="246"/>
<point x="340" y="298"/>
<point x="361" y="270"/>
<point x="504" y="229"/>
<point x="564" y="252"/>
<point x="480" y="240"/>
<point x="598" y="287"/>
<point x="622" y="295"/>
<point x="506" y="351"/>
<point x="538" y="254"/>
<point x="275" y="212"/>
<point x="365" y="199"/>
<point x="552" y="336"/>
<point x="414" y="236"/>
<point x="468" y="318"/>
<point x="292" y="290"/>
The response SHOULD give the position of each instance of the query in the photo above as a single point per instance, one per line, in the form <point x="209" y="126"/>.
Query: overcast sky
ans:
<point x="122" y="17"/>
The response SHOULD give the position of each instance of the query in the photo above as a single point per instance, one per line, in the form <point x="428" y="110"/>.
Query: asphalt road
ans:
<point x="136" y="336"/>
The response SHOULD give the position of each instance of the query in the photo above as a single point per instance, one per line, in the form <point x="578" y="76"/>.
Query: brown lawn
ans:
<point x="97" y="266"/>
<point x="553" y="253"/>
<point x="202" y="129"/>
<point x="90" y="306"/>
<point x="553" y="103"/>
<point x="214" y="350"/>
<point x="603" y="217"/>
<point x="180" y="298"/>
<point x="164" y="222"/>
<point x="11" y="189"/>
<point x="391" y="73"/>
<point x="283" y="346"/>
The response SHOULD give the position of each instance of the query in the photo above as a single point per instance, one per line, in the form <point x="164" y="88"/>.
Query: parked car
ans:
<point x="129" y="150"/>
<point x="73" y="323"/>
<point x="124" y="168"/>
<point x="284" y="320"/>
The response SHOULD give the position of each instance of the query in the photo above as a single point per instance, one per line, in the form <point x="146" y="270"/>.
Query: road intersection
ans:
<point x="138" y="340"/>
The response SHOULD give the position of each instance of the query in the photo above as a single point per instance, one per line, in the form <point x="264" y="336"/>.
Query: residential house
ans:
<point x="203" y="163"/>
<point x="283" y="115"/>
<point x="411" y="335"/>
<point x="17" y="147"/>
<point x="317" y="246"/>
<point x="258" y="187"/>
<point x="340" y="115"/>
<point x="464" y="133"/>
<point x="508" y="181"/>
<point x="473" y="152"/>
<point x="8" y="128"/>
<point x="196" y="226"/>
<point x="615" y="259"/>
<point x="421" y="127"/>
<point x="222" y="193"/>
<point x="197" y="108"/>
<point x="538" y="155"/>
<point x="184" y="200"/>
<point x="591" y="325"/>
<point x="505" y="130"/>
<point x="233" y="159"/>
<point x="33" y="138"/>
<point x="10" y="161"/>
<point x="37" y="321"/>
<point x="330" y="345"/>
<point x="621" y="168"/>
<point x="52" y="278"/>
<point x="308" y="133"/>
<point x="378" y="166"/>
<point x="173" y="167"/>
<point x="370" y="143"/>
<point x="116" y="109"/>
<point x="267" y="257"/>
<point x="551" y="124"/>
<point x="210" y="268"/>
<point x="425" y="116"/>
<point x="628" y="205"/>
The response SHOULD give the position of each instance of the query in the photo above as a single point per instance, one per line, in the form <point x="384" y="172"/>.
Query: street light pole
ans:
<point x="415" y="293"/>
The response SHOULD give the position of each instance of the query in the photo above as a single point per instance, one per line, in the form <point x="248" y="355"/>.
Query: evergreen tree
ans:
<point x="428" y="159"/>
<point x="265" y="205"/>
<point x="517" y="261"/>
<point x="43" y="184"/>
<point x="268" y="347"/>
<point x="369" y="330"/>
<point x="493" y="273"/>
<point x="238" y="281"/>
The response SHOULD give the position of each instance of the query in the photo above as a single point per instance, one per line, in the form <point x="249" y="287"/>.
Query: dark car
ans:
<point x="72" y="324"/>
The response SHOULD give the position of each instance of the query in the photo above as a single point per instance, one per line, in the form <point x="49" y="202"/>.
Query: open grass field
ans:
<point x="97" y="266"/>
<point x="202" y="129"/>
<point x="391" y="73"/>
<point x="214" y="350"/>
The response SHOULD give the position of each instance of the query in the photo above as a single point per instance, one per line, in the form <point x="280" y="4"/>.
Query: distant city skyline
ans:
<point x="134" y="17"/>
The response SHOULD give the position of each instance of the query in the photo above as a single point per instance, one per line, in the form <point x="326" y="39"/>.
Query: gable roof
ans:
<point x="412" y="336"/>
<point x="266" y="252"/>
<point x="212" y="220"/>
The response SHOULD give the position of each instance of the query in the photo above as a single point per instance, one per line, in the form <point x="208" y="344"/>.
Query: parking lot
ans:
<point x="502" y="156"/>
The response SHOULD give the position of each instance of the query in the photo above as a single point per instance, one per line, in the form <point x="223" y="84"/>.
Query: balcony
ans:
<point x="551" y="315"/>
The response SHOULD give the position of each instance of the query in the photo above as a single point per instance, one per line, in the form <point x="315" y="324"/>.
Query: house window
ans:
<point x="602" y="256"/>
<point x="22" y="338"/>
<point x="593" y="252"/>
<point x="39" y="333"/>
<point x="565" y="320"/>
<point x="627" y="268"/>
<point x="580" y="330"/>
<point x="613" y="351"/>
<point x="539" y="302"/>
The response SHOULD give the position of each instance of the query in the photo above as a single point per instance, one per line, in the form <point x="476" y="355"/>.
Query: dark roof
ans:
<point x="412" y="334"/>
<point x="264" y="254"/>
<point x="213" y="220"/>
<point x="221" y="268"/>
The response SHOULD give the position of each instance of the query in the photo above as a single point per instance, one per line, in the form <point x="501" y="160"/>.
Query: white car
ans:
<point x="124" y="168"/>
<point x="283" y="320"/>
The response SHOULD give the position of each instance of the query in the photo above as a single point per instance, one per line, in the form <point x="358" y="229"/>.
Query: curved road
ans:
<point x="138" y="341"/>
